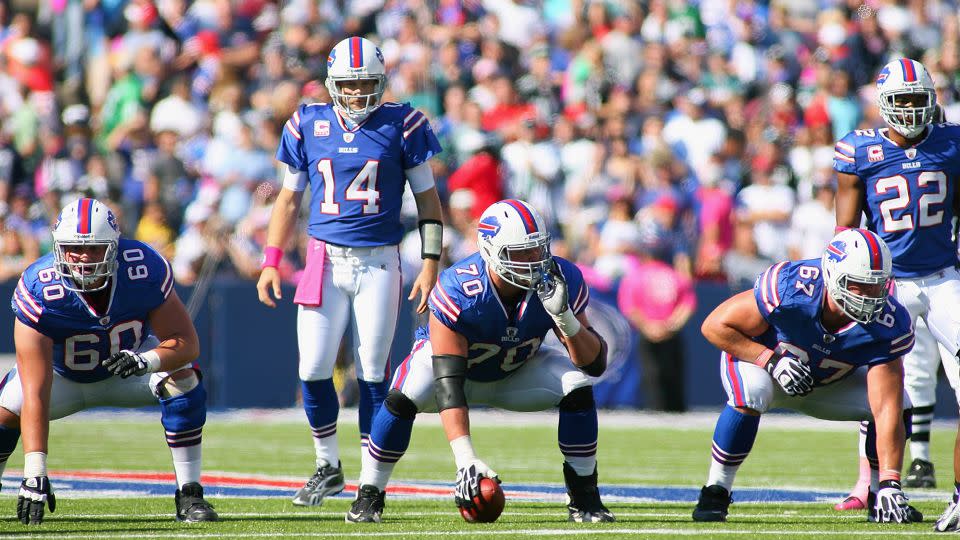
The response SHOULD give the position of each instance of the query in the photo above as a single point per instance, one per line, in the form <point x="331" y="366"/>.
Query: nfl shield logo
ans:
<point x="321" y="128"/>
<point x="911" y="153"/>
<point x="348" y="137"/>
<point x="875" y="153"/>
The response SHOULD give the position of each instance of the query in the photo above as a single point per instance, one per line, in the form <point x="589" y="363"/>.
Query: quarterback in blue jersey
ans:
<point x="489" y="314"/>
<point x="903" y="179"/>
<point x="99" y="324"/>
<point x="357" y="155"/>
<point x="821" y="337"/>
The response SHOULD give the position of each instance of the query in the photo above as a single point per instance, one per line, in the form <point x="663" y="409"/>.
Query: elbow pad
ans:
<point x="449" y="373"/>
<point x="599" y="364"/>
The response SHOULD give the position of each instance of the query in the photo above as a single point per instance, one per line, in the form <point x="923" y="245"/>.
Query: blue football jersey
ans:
<point x="465" y="301"/>
<point x="81" y="336"/>
<point x="356" y="175"/>
<point x="909" y="193"/>
<point x="790" y="296"/>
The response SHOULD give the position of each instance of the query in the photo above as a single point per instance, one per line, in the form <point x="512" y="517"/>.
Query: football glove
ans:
<point x="468" y="482"/>
<point x="126" y="363"/>
<point x="791" y="374"/>
<point x="35" y="493"/>
<point x="950" y="519"/>
<point x="553" y="294"/>
<point x="891" y="506"/>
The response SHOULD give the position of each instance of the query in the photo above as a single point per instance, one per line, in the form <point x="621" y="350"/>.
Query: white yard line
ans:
<point x="539" y="511"/>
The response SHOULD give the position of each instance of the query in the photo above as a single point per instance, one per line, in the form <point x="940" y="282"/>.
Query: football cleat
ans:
<point x="713" y="504"/>
<point x="327" y="481"/>
<point x="920" y="475"/>
<point x="850" y="503"/>
<point x="583" y="498"/>
<point x="368" y="506"/>
<point x="191" y="506"/>
<point x="949" y="521"/>
<point x="913" y="515"/>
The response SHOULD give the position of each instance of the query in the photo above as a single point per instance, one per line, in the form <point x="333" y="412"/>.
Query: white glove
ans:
<point x="791" y="374"/>
<point x="950" y="519"/>
<point x="892" y="504"/>
<point x="553" y="294"/>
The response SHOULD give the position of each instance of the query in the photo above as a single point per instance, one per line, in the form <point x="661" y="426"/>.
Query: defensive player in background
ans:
<point x="356" y="155"/>
<point x="489" y="314"/>
<point x="820" y="337"/>
<point x="903" y="179"/>
<point x="99" y="324"/>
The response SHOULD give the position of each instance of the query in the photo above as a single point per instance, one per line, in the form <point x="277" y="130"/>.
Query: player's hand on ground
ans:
<point x="950" y="519"/>
<point x="269" y="281"/>
<point x="791" y="374"/>
<point x="125" y="364"/>
<point x="423" y="285"/>
<point x="35" y="493"/>
<point x="468" y="482"/>
<point x="891" y="506"/>
<point x="552" y="290"/>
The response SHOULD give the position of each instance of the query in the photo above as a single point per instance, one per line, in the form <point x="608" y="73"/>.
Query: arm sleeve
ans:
<point x="27" y="307"/>
<point x="293" y="179"/>
<point x="418" y="141"/>
<point x="444" y="306"/>
<point x="578" y="292"/>
<point x="159" y="280"/>
<point x="420" y="178"/>
<point x="767" y="291"/>
<point x="290" y="150"/>
<point x="844" y="155"/>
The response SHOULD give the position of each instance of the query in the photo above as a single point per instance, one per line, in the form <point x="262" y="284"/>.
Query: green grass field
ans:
<point x="816" y="458"/>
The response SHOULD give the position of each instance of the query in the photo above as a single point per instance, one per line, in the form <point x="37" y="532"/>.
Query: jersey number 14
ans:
<point x="363" y="188"/>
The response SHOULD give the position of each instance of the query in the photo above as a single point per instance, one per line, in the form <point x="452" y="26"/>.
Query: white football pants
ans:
<point x="361" y="289"/>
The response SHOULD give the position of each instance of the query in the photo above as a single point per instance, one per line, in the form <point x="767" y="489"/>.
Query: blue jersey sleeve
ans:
<point x="27" y="300"/>
<point x="445" y="302"/>
<point x="769" y="291"/>
<point x="148" y="271"/>
<point x="577" y="291"/>
<point x="290" y="150"/>
<point x="845" y="155"/>
<point x="899" y="336"/>
<point x="419" y="143"/>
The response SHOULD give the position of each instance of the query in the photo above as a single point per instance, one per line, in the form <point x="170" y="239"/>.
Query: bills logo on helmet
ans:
<point x="837" y="250"/>
<point x="489" y="226"/>
<point x="112" y="221"/>
<point x="884" y="73"/>
<point x="332" y="57"/>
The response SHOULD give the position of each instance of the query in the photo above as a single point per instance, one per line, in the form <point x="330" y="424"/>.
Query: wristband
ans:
<point x="463" y="452"/>
<point x="567" y="323"/>
<point x="839" y="229"/>
<point x="431" y="239"/>
<point x="152" y="358"/>
<point x="271" y="257"/>
<point x="764" y="358"/>
<point x="889" y="474"/>
<point x="34" y="464"/>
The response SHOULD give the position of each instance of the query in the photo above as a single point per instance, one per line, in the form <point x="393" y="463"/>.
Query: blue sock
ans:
<point x="733" y="439"/>
<point x="8" y="443"/>
<point x="577" y="437"/>
<point x="390" y="436"/>
<point x="372" y="395"/>
<point x="322" y="407"/>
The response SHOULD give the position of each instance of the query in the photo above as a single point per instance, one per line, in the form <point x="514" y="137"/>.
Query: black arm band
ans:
<point x="599" y="364"/>
<point x="449" y="373"/>
<point x="431" y="238"/>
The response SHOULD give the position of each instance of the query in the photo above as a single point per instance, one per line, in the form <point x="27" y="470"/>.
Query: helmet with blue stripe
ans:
<point x="514" y="242"/>
<point x="859" y="259"/>
<point x="85" y="241"/>
<point x="356" y="59"/>
<point x="906" y="96"/>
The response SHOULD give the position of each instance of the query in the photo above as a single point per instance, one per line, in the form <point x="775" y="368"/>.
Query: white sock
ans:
<point x="327" y="449"/>
<point x="584" y="466"/>
<point x="722" y="475"/>
<point x="920" y="450"/>
<point x="374" y="472"/>
<point x="187" y="462"/>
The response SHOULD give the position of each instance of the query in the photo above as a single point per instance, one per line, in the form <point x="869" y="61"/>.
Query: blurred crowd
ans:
<point x="696" y="136"/>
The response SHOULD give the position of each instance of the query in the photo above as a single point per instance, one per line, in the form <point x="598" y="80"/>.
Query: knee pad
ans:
<point x="579" y="399"/>
<point x="184" y="412"/>
<point x="400" y="405"/>
<point x="176" y="383"/>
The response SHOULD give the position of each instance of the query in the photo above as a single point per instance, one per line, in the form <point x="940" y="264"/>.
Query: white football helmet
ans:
<point x="900" y="78"/>
<point x="355" y="58"/>
<point x="86" y="222"/>
<point x="514" y="242"/>
<point x="857" y="256"/>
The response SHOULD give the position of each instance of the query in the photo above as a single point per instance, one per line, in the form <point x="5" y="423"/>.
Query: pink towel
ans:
<point x="310" y="288"/>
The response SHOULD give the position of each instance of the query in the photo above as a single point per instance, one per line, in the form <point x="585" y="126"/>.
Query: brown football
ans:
<point x="488" y="505"/>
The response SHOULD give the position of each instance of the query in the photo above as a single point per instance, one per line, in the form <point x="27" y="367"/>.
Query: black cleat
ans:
<point x="191" y="506"/>
<point x="583" y="498"/>
<point x="713" y="504"/>
<point x="327" y="481"/>
<point x="920" y="475"/>
<point x="368" y="506"/>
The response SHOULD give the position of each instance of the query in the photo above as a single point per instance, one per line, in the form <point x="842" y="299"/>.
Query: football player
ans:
<point x="99" y="324"/>
<point x="489" y="314"/>
<point x="356" y="155"/>
<point x="822" y="337"/>
<point x="903" y="179"/>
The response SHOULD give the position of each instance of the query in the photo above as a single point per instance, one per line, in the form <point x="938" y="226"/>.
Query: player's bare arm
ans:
<point x="431" y="231"/>
<point x="179" y="344"/>
<point x="885" y="394"/>
<point x="731" y="325"/>
<point x="282" y="220"/>
<point x="850" y="200"/>
<point x="585" y="347"/>
<point x="35" y="368"/>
